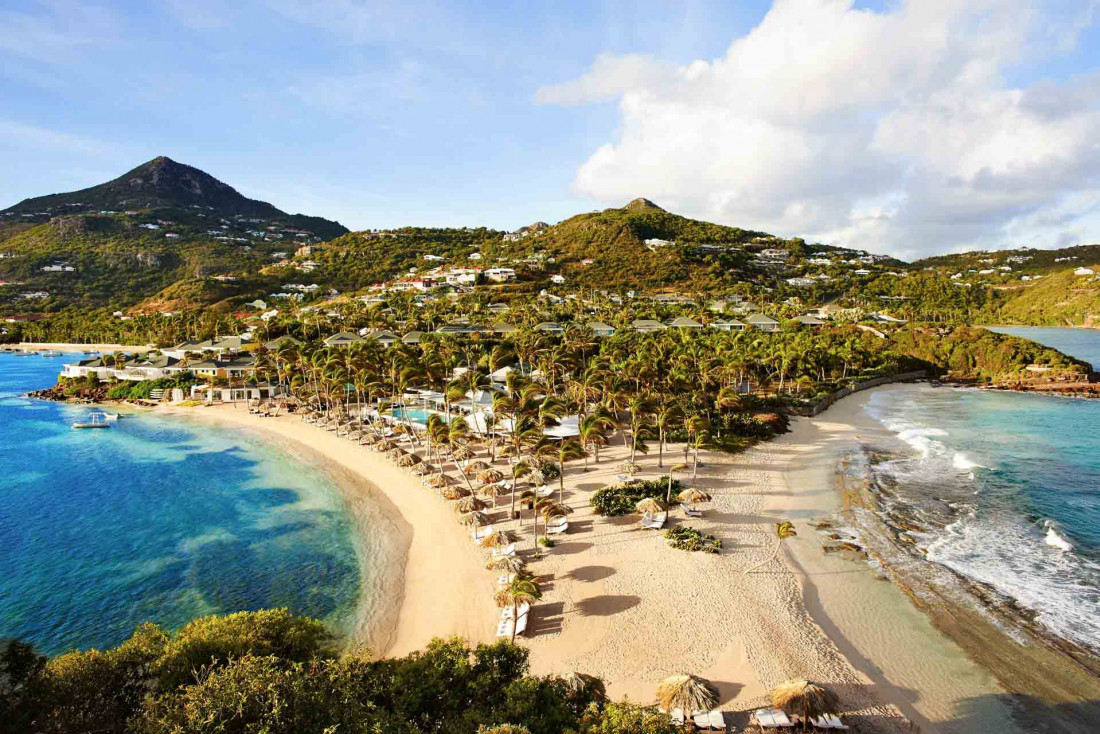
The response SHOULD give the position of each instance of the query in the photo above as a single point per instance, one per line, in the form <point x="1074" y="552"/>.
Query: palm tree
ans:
<point x="664" y="419"/>
<point x="671" y="471"/>
<point x="783" y="530"/>
<point x="592" y="431"/>
<point x="523" y="589"/>
<point x="561" y="452"/>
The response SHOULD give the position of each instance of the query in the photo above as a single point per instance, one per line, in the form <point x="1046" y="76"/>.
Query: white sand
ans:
<point x="621" y="604"/>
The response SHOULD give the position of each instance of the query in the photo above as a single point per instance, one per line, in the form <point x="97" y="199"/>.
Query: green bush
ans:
<point x="620" y="499"/>
<point x="121" y="391"/>
<point x="683" y="537"/>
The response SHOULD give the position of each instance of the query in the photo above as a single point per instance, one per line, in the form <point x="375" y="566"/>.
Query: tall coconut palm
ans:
<point x="523" y="589"/>
<point x="783" y="530"/>
<point x="562" y="452"/>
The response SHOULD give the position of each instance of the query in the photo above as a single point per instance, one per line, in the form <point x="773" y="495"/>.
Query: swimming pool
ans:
<point x="416" y="415"/>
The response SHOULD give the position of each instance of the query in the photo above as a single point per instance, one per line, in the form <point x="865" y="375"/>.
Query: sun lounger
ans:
<point x="544" y="491"/>
<point x="504" y="627"/>
<point x="772" y="719"/>
<point x="508" y="550"/>
<point x="479" y="533"/>
<point x="715" y="719"/>
<point x="690" y="511"/>
<point x="506" y="613"/>
<point x="654" y="522"/>
<point x="626" y="479"/>
<point x="504" y="579"/>
<point x="828" y="721"/>
<point x="677" y="716"/>
<point x="557" y="526"/>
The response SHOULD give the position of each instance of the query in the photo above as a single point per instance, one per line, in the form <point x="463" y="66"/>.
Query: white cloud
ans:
<point x="894" y="131"/>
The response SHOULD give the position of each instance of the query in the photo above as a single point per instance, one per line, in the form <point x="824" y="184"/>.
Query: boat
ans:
<point x="20" y="352"/>
<point x="49" y="353"/>
<point x="95" y="420"/>
<point x="111" y="417"/>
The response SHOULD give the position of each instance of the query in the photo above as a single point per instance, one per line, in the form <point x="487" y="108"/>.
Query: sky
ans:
<point x="908" y="128"/>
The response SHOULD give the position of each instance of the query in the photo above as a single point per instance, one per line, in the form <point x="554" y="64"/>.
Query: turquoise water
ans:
<point x="154" y="519"/>
<point x="416" y="415"/>
<point x="1007" y="486"/>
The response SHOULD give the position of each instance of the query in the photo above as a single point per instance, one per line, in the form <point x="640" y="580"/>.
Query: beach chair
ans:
<point x="506" y="613"/>
<point x="771" y="719"/>
<point x="829" y="721"/>
<point x="544" y="491"/>
<point x="508" y="550"/>
<point x="716" y="719"/>
<point x="677" y="716"/>
<point x="690" y="511"/>
<point x="504" y="579"/>
<point x="479" y="533"/>
<point x="626" y="479"/>
<point x="654" y="522"/>
<point x="557" y="525"/>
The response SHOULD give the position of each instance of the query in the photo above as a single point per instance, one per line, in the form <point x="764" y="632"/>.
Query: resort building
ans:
<point x="550" y="327"/>
<point x="810" y="320"/>
<point x="280" y="342"/>
<point x="218" y="345"/>
<point x="412" y="338"/>
<point x="728" y="325"/>
<point x="385" y="338"/>
<point x="502" y="328"/>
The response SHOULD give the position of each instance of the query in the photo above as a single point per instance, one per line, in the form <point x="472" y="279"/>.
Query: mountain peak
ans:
<point x="642" y="204"/>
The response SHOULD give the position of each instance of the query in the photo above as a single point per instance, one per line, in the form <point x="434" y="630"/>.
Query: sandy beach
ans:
<point x="621" y="604"/>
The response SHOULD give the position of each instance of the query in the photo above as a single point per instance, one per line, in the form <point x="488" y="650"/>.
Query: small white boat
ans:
<point x="21" y="352"/>
<point x="95" y="420"/>
<point x="49" y="353"/>
<point x="111" y="417"/>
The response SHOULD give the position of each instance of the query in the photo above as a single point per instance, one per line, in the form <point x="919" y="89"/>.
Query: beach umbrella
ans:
<point x="687" y="693"/>
<point x="474" y="467"/>
<point x="693" y="495"/>
<point x="473" y="519"/>
<point x="650" y="504"/>
<point x="408" y="460"/>
<point x="438" y="480"/>
<point x="490" y="476"/>
<point x="395" y="453"/>
<point x="497" y="539"/>
<point x="629" y="467"/>
<point x="369" y="438"/>
<point x="511" y="564"/>
<point x="386" y="445"/>
<point x="462" y="453"/>
<point x="421" y="469"/>
<point x="805" y="699"/>
<point x="470" y="504"/>
<point x="494" y="490"/>
<point x="453" y="493"/>
<point x="508" y="449"/>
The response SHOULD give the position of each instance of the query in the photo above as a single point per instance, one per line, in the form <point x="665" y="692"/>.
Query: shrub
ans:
<point x="621" y="498"/>
<point x="683" y="537"/>
<point x="121" y="391"/>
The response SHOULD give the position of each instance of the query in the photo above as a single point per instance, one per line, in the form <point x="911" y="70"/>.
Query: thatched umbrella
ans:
<point x="590" y="686"/>
<point x="490" y="476"/>
<point x="462" y="454"/>
<point x="508" y="449"/>
<point x="386" y="445"/>
<point x="395" y="453"/>
<point x="536" y="477"/>
<point x="473" y="519"/>
<point x="693" y="496"/>
<point x="421" y="469"/>
<point x="453" y="493"/>
<point x="688" y="693"/>
<point x="438" y="480"/>
<point x="408" y="460"/>
<point x="497" y="539"/>
<point x="474" y="467"/>
<point x="470" y="504"/>
<point x="805" y="699"/>
<point x="369" y="438"/>
<point x="494" y="490"/>
<point x="511" y="564"/>
<point x="629" y="467"/>
<point x="650" y="504"/>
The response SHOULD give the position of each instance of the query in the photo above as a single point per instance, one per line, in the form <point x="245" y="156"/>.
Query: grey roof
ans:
<point x="647" y="324"/>
<point x="549" y="326"/>
<point x="759" y="318"/>
<point x="599" y="326"/>
<point x="342" y="337"/>
<point x="683" y="322"/>
<point x="413" y="337"/>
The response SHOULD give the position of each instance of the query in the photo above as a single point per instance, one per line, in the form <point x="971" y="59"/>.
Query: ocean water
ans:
<point x="155" y="519"/>
<point x="1006" y="490"/>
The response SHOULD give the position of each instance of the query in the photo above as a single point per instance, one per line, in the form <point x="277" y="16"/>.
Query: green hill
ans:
<point x="118" y="243"/>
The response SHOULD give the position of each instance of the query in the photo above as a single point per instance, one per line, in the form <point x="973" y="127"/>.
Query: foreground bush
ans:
<point x="683" y="537"/>
<point x="271" y="672"/>
<point x="621" y="498"/>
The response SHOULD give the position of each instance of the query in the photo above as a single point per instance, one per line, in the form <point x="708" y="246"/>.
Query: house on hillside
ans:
<point x="385" y="338"/>
<point x="809" y="320"/>
<point x="600" y="329"/>
<point x="728" y="325"/>
<point x="342" y="339"/>
<point x="647" y="325"/>
<point x="762" y="322"/>
<point x="550" y="327"/>
<point x="683" y="322"/>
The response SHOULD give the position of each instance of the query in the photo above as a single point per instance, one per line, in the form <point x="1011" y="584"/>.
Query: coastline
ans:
<point x="429" y="584"/>
<point x="71" y="347"/>
<point x="975" y="662"/>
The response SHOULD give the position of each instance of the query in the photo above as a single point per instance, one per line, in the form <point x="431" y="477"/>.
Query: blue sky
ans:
<point x="380" y="114"/>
